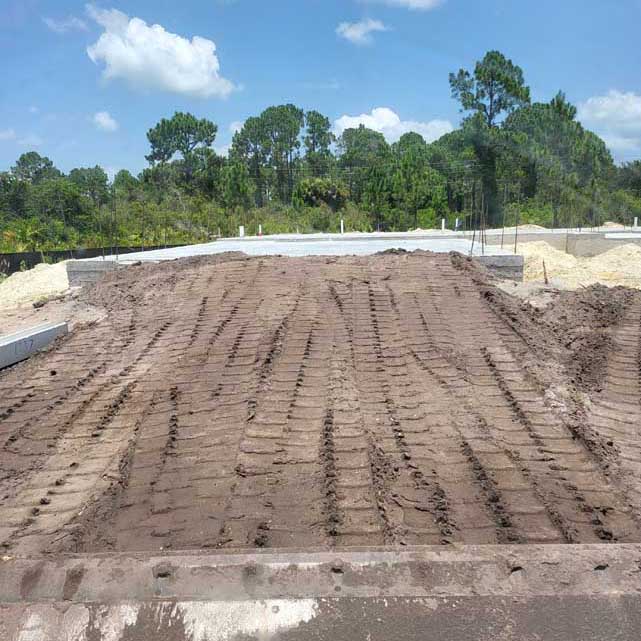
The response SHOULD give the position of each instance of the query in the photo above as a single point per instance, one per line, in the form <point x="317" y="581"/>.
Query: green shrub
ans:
<point x="529" y="212"/>
<point x="314" y="192"/>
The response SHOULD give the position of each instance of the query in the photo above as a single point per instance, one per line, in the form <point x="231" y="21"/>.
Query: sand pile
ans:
<point x="612" y="225"/>
<point x="27" y="287"/>
<point x="618" y="266"/>
<point x="556" y="262"/>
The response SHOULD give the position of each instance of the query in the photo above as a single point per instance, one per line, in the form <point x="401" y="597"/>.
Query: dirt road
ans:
<point x="273" y="402"/>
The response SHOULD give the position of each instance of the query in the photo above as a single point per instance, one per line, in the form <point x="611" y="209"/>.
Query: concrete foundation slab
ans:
<point x="458" y="593"/>
<point x="21" y="345"/>
<point x="501" y="261"/>
<point x="322" y="245"/>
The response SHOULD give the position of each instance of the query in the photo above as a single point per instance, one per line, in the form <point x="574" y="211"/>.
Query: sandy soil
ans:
<point x="69" y="307"/>
<point x="618" y="266"/>
<point x="324" y="402"/>
<point x="41" y="282"/>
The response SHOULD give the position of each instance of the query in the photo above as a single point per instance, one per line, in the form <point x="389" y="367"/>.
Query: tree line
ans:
<point x="510" y="161"/>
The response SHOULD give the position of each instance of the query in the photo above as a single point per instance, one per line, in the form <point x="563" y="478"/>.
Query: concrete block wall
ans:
<point x="508" y="267"/>
<point x="580" y="244"/>
<point x="87" y="272"/>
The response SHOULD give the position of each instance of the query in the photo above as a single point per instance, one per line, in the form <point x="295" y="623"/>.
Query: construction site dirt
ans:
<point x="397" y="399"/>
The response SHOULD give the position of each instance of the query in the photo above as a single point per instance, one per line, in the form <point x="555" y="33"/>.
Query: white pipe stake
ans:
<point x="342" y="226"/>
<point x="241" y="231"/>
<point x="442" y="224"/>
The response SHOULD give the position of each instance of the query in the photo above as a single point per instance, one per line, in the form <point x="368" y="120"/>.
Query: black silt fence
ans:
<point x="11" y="263"/>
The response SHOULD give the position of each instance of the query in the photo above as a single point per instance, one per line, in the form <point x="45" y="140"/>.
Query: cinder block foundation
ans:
<point x="87" y="272"/>
<point x="508" y="267"/>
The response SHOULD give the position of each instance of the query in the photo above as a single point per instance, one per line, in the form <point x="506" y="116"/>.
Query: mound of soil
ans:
<point x="234" y="402"/>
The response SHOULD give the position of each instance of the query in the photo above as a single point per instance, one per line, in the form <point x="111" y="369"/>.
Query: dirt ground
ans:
<point x="276" y="402"/>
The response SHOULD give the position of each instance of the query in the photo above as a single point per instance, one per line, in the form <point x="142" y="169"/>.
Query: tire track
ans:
<point x="363" y="470"/>
<point x="312" y="403"/>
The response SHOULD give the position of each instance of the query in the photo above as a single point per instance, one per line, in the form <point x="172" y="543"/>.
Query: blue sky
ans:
<point x="83" y="83"/>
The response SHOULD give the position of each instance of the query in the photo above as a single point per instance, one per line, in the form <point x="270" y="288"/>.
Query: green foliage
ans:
<point x="318" y="140"/>
<point x="125" y="185"/>
<point x="496" y="87"/>
<point x="629" y="177"/>
<point x="92" y="183"/>
<point x="236" y="185"/>
<point x="509" y="161"/>
<point x="33" y="168"/>
<point x="529" y="212"/>
<point x="182" y="134"/>
<point x="623" y="206"/>
<point x="315" y="192"/>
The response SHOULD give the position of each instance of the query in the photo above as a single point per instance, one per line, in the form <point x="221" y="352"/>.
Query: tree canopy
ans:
<point x="289" y="169"/>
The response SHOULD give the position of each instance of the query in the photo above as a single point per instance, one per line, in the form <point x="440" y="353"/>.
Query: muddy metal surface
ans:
<point x="270" y="402"/>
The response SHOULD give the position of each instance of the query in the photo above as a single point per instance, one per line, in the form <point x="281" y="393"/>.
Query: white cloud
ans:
<point x="416" y="5"/>
<point x="150" y="57"/>
<point x="389" y="123"/>
<point x="65" y="25"/>
<point x="235" y="126"/>
<point x="33" y="109"/>
<point x="223" y="150"/>
<point x="7" y="134"/>
<point x="103" y="120"/>
<point x="360" y="33"/>
<point x="31" y="141"/>
<point x="616" y="117"/>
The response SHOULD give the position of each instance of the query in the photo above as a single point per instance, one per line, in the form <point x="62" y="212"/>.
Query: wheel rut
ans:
<point x="316" y="402"/>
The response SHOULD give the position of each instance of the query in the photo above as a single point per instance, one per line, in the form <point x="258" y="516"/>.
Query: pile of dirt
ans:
<point x="581" y="321"/>
<point x="146" y="282"/>
<point x="620" y="266"/>
<point x="530" y="227"/>
<point x="34" y="284"/>
<point x="539" y="252"/>
<point x="323" y="402"/>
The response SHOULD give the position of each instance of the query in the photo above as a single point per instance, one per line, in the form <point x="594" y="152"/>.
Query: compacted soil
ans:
<point x="397" y="399"/>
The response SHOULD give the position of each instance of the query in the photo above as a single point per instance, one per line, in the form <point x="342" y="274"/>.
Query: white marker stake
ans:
<point x="342" y="226"/>
<point x="442" y="224"/>
<point x="636" y="221"/>
<point x="260" y="230"/>
<point x="241" y="231"/>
